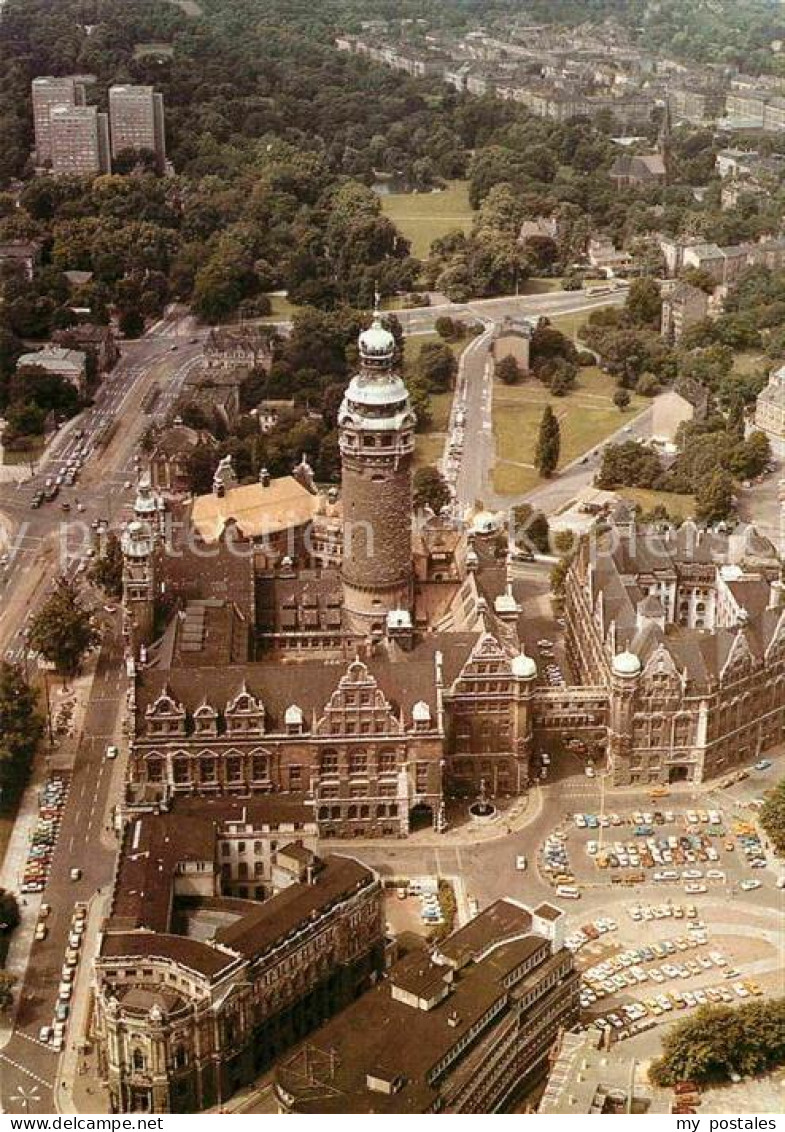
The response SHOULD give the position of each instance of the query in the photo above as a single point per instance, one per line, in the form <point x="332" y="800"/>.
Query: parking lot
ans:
<point x="698" y="851"/>
<point x="671" y="906"/>
<point x="689" y="959"/>
<point x="44" y="837"/>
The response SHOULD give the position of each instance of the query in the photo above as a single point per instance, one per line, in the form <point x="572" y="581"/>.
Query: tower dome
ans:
<point x="376" y="343"/>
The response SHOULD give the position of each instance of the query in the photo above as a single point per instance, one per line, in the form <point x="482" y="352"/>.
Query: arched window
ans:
<point x="138" y="1061"/>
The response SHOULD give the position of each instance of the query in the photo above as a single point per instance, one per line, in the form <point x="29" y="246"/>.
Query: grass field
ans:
<point x="430" y="444"/>
<point x="587" y="416"/>
<point x="679" y="506"/>
<point x="282" y="310"/>
<point x="161" y="50"/>
<point x="422" y="217"/>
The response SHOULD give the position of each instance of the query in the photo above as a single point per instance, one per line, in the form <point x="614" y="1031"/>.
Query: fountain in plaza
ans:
<point x="483" y="809"/>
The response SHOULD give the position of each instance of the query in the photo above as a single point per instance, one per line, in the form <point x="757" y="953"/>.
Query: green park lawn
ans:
<point x="423" y="217"/>
<point x="281" y="309"/>
<point x="678" y="506"/>
<point x="586" y="416"/>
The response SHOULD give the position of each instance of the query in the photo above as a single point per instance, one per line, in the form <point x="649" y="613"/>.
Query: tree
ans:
<point x="772" y="816"/>
<point x="202" y="463"/>
<point x="9" y="911"/>
<point x="21" y="724"/>
<point x="621" y="399"/>
<point x="720" y="1041"/>
<point x="564" y="542"/>
<point x="131" y="322"/>
<point x="7" y="984"/>
<point x="445" y="327"/>
<point x="546" y="456"/>
<point x="530" y="529"/>
<point x="107" y="570"/>
<point x="643" y="306"/>
<point x="436" y="366"/>
<point x="714" y="497"/>
<point x="430" y="489"/>
<point x="62" y="630"/>
<point x="508" y="370"/>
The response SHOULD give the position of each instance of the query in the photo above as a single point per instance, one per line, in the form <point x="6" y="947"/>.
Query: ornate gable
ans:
<point x="165" y="716"/>
<point x="739" y="661"/>
<point x="661" y="671"/>
<point x="487" y="658"/>
<point x="244" y="714"/>
<point x="358" y="707"/>
<point x="776" y="645"/>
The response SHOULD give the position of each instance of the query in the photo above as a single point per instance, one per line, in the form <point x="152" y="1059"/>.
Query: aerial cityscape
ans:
<point x="392" y="525"/>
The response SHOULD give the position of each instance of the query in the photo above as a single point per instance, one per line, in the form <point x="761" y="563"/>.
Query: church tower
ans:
<point x="376" y="425"/>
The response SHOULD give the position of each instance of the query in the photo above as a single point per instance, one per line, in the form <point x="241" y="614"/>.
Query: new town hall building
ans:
<point x="389" y="672"/>
<point x="308" y="666"/>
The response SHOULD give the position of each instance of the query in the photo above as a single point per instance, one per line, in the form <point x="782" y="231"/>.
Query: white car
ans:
<point x="520" y="863"/>
<point x="749" y="885"/>
<point x="112" y="751"/>
<point x="591" y="848"/>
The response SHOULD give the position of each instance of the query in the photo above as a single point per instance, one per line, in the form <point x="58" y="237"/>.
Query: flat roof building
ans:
<point x="79" y="137"/>
<point x="461" y="1029"/>
<point x="136" y="119"/>
<point x="48" y="91"/>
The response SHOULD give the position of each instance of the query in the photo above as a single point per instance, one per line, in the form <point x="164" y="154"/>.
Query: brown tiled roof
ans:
<point x="201" y="957"/>
<point x="269" y="923"/>
<point x="404" y="678"/>
<point x="257" y="510"/>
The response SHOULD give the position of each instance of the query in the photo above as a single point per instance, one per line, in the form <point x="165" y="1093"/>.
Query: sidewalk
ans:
<point x="78" y="1086"/>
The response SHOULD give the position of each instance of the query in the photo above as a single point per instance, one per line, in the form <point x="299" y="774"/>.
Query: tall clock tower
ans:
<point x="376" y="424"/>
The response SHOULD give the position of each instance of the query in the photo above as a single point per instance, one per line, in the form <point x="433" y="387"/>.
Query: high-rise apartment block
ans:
<point x="136" y="115"/>
<point x="79" y="137"/>
<point x="48" y="92"/>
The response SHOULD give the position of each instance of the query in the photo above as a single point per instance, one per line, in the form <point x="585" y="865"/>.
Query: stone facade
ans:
<point x="682" y="307"/>
<point x="770" y="412"/>
<point x="692" y="658"/>
<point x="197" y="991"/>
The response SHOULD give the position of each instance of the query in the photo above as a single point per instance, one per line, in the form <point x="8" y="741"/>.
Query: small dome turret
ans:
<point x="626" y="664"/>
<point x="524" y="667"/>
<point x="376" y="343"/>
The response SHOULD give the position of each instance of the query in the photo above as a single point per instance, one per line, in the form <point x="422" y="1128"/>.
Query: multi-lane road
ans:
<point x="38" y="543"/>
